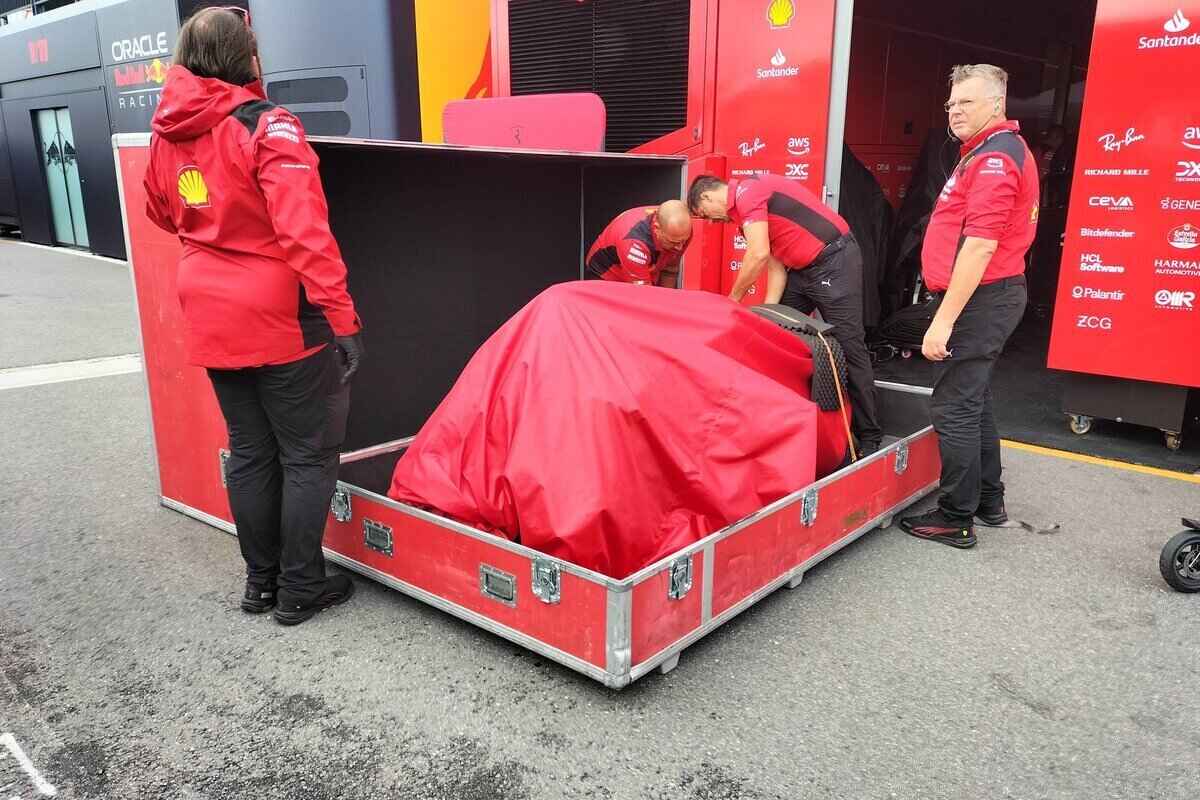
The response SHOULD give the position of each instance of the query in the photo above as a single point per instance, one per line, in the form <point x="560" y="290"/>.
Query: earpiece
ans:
<point x="996" y="109"/>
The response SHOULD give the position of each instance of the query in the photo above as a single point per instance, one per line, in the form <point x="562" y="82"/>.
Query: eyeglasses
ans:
<point x="963" y="104"/>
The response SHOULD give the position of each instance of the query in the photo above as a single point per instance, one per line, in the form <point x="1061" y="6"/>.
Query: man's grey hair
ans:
<point x="996" y="78"/>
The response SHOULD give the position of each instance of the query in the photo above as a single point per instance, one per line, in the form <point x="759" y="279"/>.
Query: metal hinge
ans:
<point x="339" y="506"/>
<point x="223" y="457"/>
<point x="498" y="585"/>
<point x="377" y="537"/>
<point x="547" y="583"/>
<point x="808" y="508"/>
<point x="901" y="458"/>
<point x="680" y="578"/>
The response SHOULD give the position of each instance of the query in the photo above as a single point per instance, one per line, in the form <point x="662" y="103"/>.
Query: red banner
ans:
<point x="1129" y="286"/>
<point x="772" y="106"/>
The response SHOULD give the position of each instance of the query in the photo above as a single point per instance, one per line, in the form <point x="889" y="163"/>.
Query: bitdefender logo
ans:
<point x="1177" y="24"/>
<point x="779" y="68"/>
<point x="1105" y="233"/>
<point x="1174" y="300"/>
<point x="1088" y="293"/>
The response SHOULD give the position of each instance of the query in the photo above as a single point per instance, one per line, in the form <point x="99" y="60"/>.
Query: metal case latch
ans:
<point x="223" y="457"/>
<point x="339" y="506"/>
<point x="377" y="537"/>
<point x="547" y="585"/>
<point x="498" y="585"/>
<point x="808" y="508"/>
<point x="901" y="458"/>
<point x="680" y="578"/>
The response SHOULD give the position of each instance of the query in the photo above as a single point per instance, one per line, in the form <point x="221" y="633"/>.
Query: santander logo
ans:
<point x="1178" y="23"/>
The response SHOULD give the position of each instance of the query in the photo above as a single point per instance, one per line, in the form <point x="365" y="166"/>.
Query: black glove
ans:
<point x="351" y="349"/>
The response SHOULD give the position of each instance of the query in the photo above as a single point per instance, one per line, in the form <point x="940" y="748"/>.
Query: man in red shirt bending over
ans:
<point x="973" y="260"/>
<point x="812" y="261"/>
<point x="642" y="245"/>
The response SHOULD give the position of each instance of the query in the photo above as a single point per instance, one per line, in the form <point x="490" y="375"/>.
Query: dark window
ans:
<point x="331" y="89"/>
<point x="633" y="54"/>
<point x="324" y="123"/>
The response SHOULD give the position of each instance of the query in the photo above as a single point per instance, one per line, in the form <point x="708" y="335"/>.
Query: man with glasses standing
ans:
<point x="973" y="260"/>
<point x="642" y="245"/>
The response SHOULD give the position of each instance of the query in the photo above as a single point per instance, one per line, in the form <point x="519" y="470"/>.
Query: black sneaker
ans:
<point x="258" y="599"/>
<point x="937" y="527"/>
<point x="992" y="514"/>
<point x="869" y="446"/>
<point x="338" y="589"/>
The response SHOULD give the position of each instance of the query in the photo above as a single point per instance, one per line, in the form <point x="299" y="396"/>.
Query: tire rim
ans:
<point x="1187" y="562"/>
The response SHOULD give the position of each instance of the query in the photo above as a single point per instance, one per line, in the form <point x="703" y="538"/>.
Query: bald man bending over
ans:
<point x="643" y="246"/>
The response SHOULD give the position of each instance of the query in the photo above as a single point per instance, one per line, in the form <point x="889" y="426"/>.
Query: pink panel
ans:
<point x="530" y="121"/>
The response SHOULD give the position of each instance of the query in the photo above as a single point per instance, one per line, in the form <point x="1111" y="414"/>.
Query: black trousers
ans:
<point x="833" y="286"/>
<point x="962" y="398"/>
<point x="286" y="424"/>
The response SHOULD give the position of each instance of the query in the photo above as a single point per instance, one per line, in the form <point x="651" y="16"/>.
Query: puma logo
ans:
<point x="826" y="283"/>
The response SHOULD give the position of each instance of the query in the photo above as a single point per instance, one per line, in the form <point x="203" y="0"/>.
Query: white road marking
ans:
<point x="44" y="788"/>
<point x="41" y="374"/>
<point x="70" y="251"/>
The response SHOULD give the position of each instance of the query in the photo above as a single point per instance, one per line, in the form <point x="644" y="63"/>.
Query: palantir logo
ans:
<point x="1178" y="23"/>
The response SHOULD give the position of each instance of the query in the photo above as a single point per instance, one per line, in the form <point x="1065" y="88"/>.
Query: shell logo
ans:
<point x="192" y="188"/>
<point x="780" y="13"/>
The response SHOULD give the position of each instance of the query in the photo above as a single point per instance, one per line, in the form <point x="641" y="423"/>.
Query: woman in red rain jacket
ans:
<point x="262" y="285"/>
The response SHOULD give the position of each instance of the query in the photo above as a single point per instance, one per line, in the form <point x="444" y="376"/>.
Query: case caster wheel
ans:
<point x="906" y="353"/>
<point x="795" y="580"/>
<point x="1080" y="424"/>
<point x="886" y="522"/>
<point x="668" y="665"/>
<point x="1173" y="439"/>
<point x="1179" y="562"/>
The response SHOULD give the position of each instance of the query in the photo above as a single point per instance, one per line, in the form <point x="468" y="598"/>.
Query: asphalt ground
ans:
<point x="1034" y="666"/>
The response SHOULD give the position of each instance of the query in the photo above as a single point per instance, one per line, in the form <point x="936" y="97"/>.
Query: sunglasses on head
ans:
<point x="241" y="12"/>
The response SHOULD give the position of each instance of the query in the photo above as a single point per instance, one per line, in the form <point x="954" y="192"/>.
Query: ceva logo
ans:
<point x="1178" y="23"/>
<point x="1111" y="203"/>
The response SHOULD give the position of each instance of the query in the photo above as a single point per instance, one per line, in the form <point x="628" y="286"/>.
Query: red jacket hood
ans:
<point x="192" y="106"/>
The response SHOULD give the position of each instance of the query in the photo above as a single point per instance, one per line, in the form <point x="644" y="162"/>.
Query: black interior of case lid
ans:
<point x="443" y="246"/>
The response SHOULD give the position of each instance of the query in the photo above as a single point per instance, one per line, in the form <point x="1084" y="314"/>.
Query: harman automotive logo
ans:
<point x="1179" y="204"/>
<point x="1105" y="233"/>
<point x="748" y="149"/>
<point x="1100" y="323"/>
<point x="1178" y="300"/>
<point x="799" y="145"/>
<point x="1185" y="237"/>
<point x="1175" y="25"/>
<point x="1115" y="143"/>
<point x="1111" y="203"/>
<point x="778" y="68"/>
<point x="1094" y="262"/>
<point x="1177" y="268"/>
<point x="797" y="172"/>
<point x="1088" y="293"/>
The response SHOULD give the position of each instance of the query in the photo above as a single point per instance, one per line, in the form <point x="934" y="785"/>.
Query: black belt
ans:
<point x="835" y="246"/>
<point x="1012" y="280"/>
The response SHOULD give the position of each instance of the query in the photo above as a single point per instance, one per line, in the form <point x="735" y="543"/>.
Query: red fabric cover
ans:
<point x="610" y="424"/>
<point x="531" y="121"/>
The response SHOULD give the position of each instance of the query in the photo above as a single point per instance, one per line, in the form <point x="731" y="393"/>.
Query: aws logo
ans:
<point x="192" y="187"/>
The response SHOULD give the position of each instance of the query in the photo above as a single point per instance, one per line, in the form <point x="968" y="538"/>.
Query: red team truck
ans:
<point x="732" y="88"/>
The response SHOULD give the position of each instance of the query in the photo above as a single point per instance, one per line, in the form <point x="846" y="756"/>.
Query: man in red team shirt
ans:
<point x="812" y="261"/>
<point x="973" y="260"/>
<point x="642" y="245"/>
